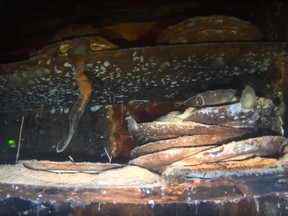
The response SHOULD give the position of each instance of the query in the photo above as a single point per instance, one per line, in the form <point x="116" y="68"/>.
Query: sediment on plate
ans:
<point x="184" y="141"/>
<point x="259" y="146"/>
<point x="210" y="29"/>
<point x="156" y="161"/>
<point x="153" y="131"/>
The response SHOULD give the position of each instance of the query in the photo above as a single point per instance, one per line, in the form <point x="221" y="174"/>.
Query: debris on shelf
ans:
<point x="213" y="135"/>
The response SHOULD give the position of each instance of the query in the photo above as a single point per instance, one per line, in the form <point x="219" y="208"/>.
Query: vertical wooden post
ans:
<point x="281" y="66"/>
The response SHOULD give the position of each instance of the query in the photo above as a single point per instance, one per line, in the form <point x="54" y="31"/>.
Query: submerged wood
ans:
<point x="185" y="141"/>
<point x="156" y="161"/>
<point x="70" y="167"/>
<point x="260" y="146"/>
<point x="131" y="185"/>
<point x="208" y="98"/>
<point x="153" y="131"/>
<point x="117" y="75"/>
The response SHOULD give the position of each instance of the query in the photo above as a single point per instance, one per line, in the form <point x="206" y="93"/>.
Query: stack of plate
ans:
<point x="217" y="130"/>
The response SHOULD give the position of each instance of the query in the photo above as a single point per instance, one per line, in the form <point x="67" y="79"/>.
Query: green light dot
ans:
<point x="11" y="142"/>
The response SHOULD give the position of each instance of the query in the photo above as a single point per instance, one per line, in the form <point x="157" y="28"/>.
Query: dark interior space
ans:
<point x="99" y="102"/>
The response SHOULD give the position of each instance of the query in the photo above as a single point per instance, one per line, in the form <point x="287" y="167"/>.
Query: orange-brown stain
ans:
<point x="77" y="111"/>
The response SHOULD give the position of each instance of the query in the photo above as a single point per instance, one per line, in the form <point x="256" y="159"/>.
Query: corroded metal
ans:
<point x="174" y="72"/>
<point x="120" y="143"/>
